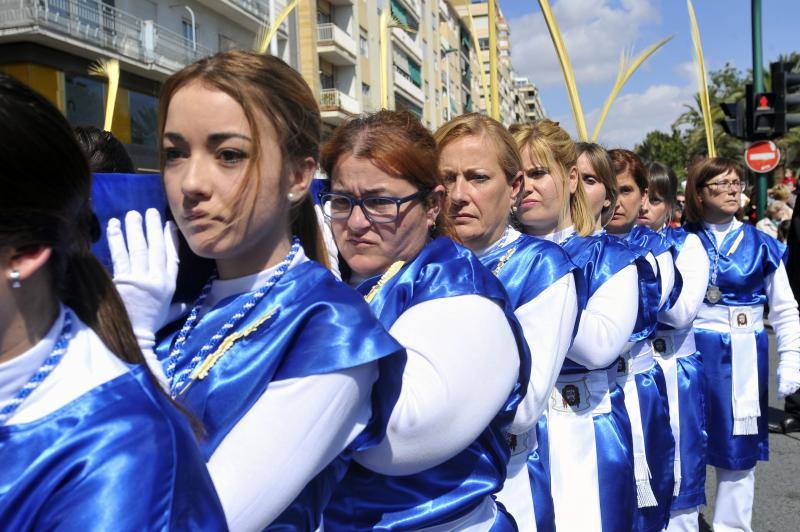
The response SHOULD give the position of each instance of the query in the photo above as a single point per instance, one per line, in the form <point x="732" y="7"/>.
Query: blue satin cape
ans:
<point x="113" y="195"/>
<point x="319" y="326"/>
<point x="119" y="457"/>
<point x="600" y="257"/>
<point x="741" y="279"/>
<point x="366" y="500"/>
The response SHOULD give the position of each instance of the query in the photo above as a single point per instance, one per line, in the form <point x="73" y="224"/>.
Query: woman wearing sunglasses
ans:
<point x="674" y="349"/>
<point x="585" y="440"/>
<point x="747" y="270"/>
<point x="481" y="168"/>
<point x="638" y="374"/>
<point x="275" y="356"/>
<point x="87" y="439"/>
<point x="467" y="364"/>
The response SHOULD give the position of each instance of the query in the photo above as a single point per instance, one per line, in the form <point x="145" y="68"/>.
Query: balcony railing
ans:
<point x="408" y="42"/>
<point x="328" y="34"/>
<point x="336" y="100"/>
<point x="259" y="8"/>
<point x="103" y="26"/>
<point x="404" y="82"/>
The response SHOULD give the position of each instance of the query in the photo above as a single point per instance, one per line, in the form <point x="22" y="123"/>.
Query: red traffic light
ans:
<point x="763" y="102"/>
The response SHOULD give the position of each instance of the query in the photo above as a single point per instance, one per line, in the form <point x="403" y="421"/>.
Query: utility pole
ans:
<point x="493" y="107"/>
<point x="758" y="87"/>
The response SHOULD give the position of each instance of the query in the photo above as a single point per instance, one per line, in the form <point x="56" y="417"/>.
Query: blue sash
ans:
<point x="599" y="257"/>
<point x="113" y="195"/>
<point x="318" y="325"/>
<point x="649" y="285"/>
<point x="366" y="500"/>
<point x="658" y="243"/>
<point x="119" y="457"/>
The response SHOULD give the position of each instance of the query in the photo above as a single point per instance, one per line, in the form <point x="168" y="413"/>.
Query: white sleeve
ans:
<point x="693" y="265"/>
<point x="462" y="365"/>
<point x="666" y="272"/>
<point x="548" y="321"/>
<point x="783" y="316"/>
<point x="330" y="243"/>
<point x="608" y="320"/>
<point x="292" y="432"/>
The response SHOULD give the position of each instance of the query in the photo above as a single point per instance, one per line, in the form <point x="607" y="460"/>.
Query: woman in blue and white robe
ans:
<point x="586" y="433"/>
<point x="87" y="439"/>
<point x="276" y="357"/>
<point x="675" y="351"/>
<point x="480" y="164"/>
<point x="467" y="364"/>
<point x="747" y="270"/>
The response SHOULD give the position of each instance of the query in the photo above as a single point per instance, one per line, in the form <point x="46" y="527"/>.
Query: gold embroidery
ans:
<point x="391" y="272"/>
<point x="201" y="372"/>
<point x="503" y="261"/>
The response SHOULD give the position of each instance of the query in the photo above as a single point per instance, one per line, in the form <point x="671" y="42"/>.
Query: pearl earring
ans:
<point x="14" y="277"/>
<point x="290" y="196"/>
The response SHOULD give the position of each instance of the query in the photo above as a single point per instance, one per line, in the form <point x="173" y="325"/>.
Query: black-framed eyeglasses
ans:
<point x="727" y="184"/>
<point x="377" y="209"/>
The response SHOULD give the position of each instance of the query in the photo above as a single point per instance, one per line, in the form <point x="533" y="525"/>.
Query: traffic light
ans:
<point x="735" y="124"/>
<point x="761" y="116"/>
<point x="786" y="89"/>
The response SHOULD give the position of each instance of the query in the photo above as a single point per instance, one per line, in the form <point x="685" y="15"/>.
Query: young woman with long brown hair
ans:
<point x="87" y="439"/>
<point x="275" y="356"/>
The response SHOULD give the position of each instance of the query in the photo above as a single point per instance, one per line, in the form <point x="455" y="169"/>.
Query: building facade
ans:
<point x="529" y="96"/>
<point x="433" y="67"/>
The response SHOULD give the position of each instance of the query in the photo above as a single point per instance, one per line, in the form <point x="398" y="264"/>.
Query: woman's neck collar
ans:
<point x="559" y="235"/>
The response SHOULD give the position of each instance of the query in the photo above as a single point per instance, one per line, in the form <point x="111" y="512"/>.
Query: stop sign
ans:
<point x="762" y="157"/>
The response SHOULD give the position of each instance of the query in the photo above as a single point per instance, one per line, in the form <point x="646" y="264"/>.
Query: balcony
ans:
<point x="97" y="29"/>
<point x="336" y="106"/>
<point x="413" y="6"/>
<point x="408" y="43"/>
<point x="409" y="89"/>
<point x="335" y="45"/>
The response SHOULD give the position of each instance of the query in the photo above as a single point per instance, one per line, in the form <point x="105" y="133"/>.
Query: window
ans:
<point x="326" y="80"/>
<point x="85" y="100"/>
<point x="365" y="90"/>
<point x="483" y="42"/>
<point x="363" y="44"/>
<point x="144" y="123"/>
<point x="226" y="43"/>
<point x="323" y="18"/>
<point x="188" y="33"/>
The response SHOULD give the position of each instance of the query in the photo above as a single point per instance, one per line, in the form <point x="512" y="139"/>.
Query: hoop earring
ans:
<point x="14" y="278"/>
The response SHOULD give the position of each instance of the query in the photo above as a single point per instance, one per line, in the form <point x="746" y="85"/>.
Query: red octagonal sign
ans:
<point x="762" y="157"/>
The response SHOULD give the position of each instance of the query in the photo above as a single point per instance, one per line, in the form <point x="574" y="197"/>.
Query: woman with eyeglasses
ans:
<point x="87" y="439"/>
<point x="747" y="269"/>
<point x="467" y="364"/>
<point x="275" y="356"/>
<point x="481" y="167"/>
<point x="585" y="440"/>
<point x="675" y="351"/>
<point x="642" y="379"/>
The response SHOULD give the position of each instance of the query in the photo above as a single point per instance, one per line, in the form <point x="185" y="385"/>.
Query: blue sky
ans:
<point x="596" y="31"/>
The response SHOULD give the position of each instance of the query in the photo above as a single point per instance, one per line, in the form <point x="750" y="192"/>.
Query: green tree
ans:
<point x="666" y="148"/>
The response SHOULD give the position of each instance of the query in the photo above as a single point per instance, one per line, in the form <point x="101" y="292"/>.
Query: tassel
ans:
<point x="677" y="470"/>
<point x="644" y="493"/>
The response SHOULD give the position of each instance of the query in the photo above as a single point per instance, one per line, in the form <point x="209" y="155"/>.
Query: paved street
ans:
<point x="777" y="504"/>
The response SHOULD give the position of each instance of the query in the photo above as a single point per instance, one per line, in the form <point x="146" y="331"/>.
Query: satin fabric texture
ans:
<point x="741" y="279"/>
<point x="529" y="266"/>
<point x="599" y="257"/>
<point x="119" y="457"/>
<point x="318" y="325"/>
<point x="366" y="500"/>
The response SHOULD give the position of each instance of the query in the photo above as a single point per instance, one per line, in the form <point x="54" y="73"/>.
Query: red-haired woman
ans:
<point x="467" y="365"/>
<point x="275" y="356"/>
<point x="747" y="270"/>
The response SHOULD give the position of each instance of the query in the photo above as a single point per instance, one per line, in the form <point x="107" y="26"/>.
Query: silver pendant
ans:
<point x="713" y="294"/>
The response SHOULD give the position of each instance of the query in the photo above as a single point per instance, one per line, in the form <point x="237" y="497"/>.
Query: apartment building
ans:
<point x="50" y="44"/>
<point x="529" y="95"/>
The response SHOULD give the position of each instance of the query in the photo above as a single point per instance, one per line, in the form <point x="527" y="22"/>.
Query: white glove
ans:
<point x="145" y="272"/>
<point x="788" y="377"/>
